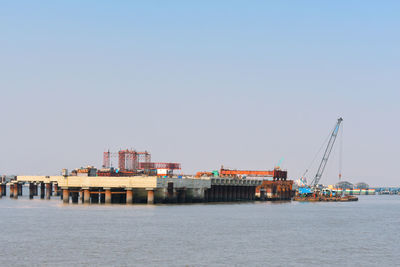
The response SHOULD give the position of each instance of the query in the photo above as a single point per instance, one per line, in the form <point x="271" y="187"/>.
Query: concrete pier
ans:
<point x="56" y="190"/>
<point x="143" y="189"/>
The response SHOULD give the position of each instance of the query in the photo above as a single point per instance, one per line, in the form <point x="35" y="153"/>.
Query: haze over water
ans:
<point x="49" y="233"/>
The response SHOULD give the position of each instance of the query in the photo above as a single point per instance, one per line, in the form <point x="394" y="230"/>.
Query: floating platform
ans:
<point x="324" y="198"/>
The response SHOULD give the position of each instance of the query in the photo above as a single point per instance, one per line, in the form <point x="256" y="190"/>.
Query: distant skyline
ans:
<point x="209" y="83"/>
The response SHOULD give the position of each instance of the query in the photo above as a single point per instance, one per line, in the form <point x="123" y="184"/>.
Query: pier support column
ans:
<point x="42" y="190"/>
<point x="11" y="190"/>
<point x="150" y="195"/>
<point x="107" y="195"/>
<point x="129" y="196"/>
<point x="48" y="190"/>
<point x="15" y="187"/>
<point x="86" y="195"/>
<point x="65" y="195"/>
<point x="31" y="190"/>
<point x="51" y="189"/>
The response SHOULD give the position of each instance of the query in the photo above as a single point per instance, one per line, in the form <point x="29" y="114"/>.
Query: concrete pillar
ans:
<point x="48" y="190"/>
<point x="108" y="195"/>
<point x="31" y="190"/>
<point x="42" y="190"/>
<point x="51" y="189"/>
<point x="65" y="195"/>
<point x="16" y="187"/>
<point x="129" y="196"/>
<point x="11" y="190"/>
<point x="150" y="196"/>
<point x="56" y="190"/>
<point x="86" y="195"/>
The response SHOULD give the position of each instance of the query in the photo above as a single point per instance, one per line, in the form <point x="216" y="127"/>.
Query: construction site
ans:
<point x="138" y="179"/>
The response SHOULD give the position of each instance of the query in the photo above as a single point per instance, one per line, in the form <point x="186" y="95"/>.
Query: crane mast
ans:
<point x="328" y="150"/>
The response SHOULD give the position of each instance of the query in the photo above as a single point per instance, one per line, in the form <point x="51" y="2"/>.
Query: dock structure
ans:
<point x="135" y="189"/>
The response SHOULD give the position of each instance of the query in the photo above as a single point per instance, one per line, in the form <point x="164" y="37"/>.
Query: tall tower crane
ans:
<point x="328" y="150"/>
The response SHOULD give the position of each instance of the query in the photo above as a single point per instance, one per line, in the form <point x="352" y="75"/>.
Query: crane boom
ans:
<point x="328" y="150"/>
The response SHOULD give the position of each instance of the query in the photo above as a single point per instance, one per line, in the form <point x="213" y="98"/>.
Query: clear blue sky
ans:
<point x="239" y="83"/>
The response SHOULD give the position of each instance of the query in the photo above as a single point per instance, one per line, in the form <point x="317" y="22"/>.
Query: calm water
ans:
<point x="48" y="233"/>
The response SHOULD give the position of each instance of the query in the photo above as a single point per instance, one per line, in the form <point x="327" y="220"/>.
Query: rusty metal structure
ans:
<point x="276" y="174"/>
<point x="132" y="162"/>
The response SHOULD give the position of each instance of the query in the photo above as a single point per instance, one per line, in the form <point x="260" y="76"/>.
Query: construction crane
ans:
<point x="327" y="153"/>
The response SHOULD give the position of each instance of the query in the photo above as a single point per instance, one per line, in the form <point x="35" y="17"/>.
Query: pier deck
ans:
<point x="136" y="189"/>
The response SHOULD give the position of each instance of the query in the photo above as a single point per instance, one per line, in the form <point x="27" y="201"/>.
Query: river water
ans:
<point x="49" y="233"/>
